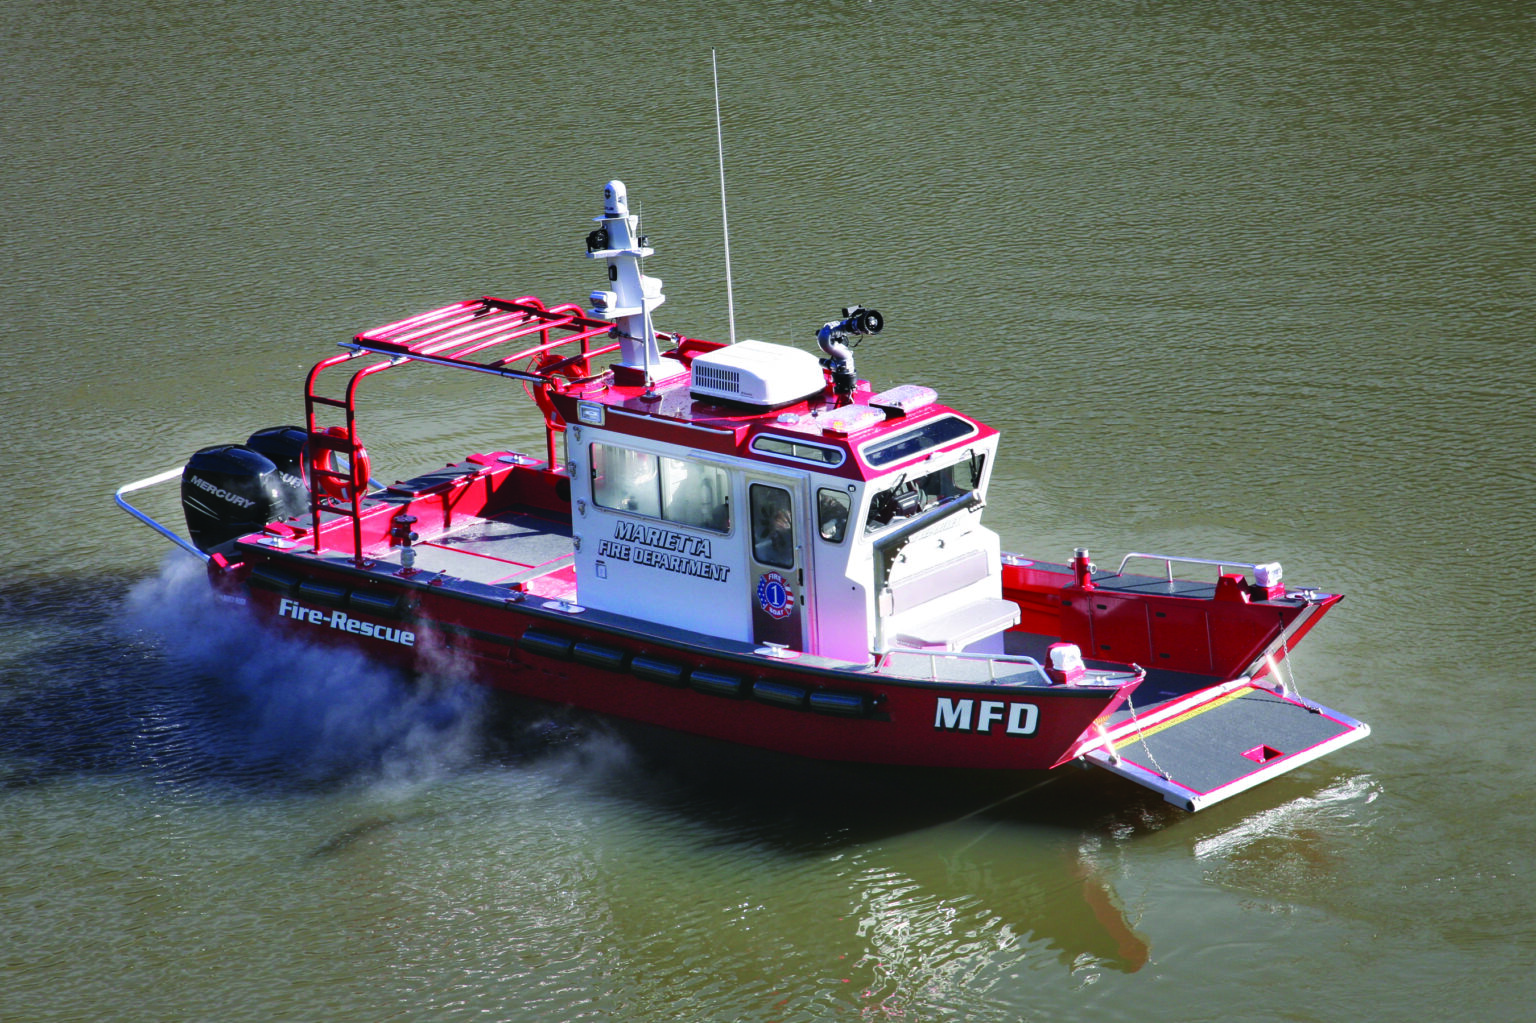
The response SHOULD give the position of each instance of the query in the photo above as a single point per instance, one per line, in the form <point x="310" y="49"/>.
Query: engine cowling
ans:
<point x="284" y="445"/>
<point x="228" y="490"/>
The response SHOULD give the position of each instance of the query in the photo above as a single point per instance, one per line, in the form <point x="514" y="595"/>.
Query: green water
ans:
<point x="1251" y="281"/>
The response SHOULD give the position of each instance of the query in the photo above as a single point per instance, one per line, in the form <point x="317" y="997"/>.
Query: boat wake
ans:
<point x="1333" y="808"/>
<point x="298" y="710"/>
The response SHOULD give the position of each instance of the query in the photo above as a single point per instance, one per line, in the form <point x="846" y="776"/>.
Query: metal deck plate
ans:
<point x="501" y="551"/>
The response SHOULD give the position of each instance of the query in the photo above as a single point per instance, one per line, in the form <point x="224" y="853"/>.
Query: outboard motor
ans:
<point x="229" y="490"/>
<point x="284" y="445"/>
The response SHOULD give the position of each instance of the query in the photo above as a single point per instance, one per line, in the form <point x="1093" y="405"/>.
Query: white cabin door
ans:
<point x="776" y="553"/>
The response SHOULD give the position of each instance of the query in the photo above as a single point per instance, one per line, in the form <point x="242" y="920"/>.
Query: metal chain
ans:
<point x="1141" y="734"/>
<point x="1285" y="658"/>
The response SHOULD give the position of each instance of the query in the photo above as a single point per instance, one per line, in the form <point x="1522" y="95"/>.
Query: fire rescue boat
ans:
<point x="747" y="542"/>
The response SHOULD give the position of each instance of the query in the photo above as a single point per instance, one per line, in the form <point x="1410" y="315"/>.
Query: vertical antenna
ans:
<point x="725" y="224"/>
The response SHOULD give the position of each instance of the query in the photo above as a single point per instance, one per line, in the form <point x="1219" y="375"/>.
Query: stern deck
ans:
<point x="514" y="549"/>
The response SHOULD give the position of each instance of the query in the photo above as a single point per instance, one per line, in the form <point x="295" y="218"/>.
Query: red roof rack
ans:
<point x="462" y="335"/>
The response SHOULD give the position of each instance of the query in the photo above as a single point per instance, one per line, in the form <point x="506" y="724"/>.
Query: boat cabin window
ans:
<point x="931" y="434"/>
<point x="679" y="490"/>
<point x="802" y="451"/>
<point x="832" y="508"/>
<point x="910" y="494"/>
<point x="773" y="527"/>
<point x="626" y="480"/>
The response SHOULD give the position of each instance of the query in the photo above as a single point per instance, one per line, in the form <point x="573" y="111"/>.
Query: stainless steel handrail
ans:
<point x="991" y="659"/>
<point x="165" y="531"/>
<point x="1169" y="559"/>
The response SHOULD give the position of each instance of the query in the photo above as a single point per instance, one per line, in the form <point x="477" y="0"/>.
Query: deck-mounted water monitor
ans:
<point x="833" y="336"/>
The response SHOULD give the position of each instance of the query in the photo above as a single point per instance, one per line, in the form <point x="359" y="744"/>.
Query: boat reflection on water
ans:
<point x="946" y="879"/>
<point x="993" y="899"/>
<point x="899" y="885"/>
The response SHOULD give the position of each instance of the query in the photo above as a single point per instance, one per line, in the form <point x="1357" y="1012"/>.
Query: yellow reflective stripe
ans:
<point x="1177" y="718"/>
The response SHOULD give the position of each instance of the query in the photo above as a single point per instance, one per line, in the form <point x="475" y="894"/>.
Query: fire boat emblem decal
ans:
<point x="774" y="595"/>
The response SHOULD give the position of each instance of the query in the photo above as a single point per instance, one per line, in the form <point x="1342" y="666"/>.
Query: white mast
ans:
<point x="632" y="295"/>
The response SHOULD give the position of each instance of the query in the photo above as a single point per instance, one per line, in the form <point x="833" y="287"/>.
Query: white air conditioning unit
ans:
<point x="756" y="374"/>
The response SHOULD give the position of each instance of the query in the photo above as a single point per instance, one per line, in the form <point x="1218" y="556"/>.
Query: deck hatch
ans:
<point x="1263" y="754"/>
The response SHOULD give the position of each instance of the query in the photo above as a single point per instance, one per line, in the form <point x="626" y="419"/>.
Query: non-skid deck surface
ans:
<point x="917" y="664"/>
<point x="511" y="548"/>
<point x="1229" y="738"/>
<point x="1159" y="585"/>
<point x="1159" y="687"/>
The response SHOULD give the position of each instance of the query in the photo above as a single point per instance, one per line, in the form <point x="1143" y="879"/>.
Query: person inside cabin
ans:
<point x="775" y="536"/>
<point x="832" y="515"/>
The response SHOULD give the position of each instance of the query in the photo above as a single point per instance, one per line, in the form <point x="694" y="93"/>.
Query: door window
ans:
<point x="773" y="527"/>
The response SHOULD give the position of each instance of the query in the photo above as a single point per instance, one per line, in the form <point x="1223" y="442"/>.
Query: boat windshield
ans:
<point x="908" y="494"/>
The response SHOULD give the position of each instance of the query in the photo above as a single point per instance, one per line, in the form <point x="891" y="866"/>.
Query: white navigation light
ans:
<point x="1066" y="663"/>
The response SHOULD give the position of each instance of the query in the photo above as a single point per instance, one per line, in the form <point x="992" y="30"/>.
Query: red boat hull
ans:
<point x="790" y="705"/>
